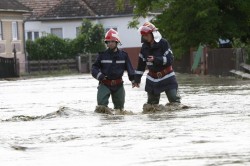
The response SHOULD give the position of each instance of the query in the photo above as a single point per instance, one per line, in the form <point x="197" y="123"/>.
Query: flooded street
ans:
<point x="51" y="121"/>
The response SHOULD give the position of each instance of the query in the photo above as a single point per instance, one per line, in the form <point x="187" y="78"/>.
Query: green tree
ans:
<point x="187" y="23"/>
<point x="90" y="39"/>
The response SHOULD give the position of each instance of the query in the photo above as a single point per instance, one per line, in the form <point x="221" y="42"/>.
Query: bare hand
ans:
<point x="137" y="85"/>
<point x="150" y="58"/>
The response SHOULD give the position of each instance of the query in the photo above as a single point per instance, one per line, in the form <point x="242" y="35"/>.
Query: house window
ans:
<point x="78" y="31"/>
<point x="1" y="31"/>
<point x="14" y="30"/>
<point x="32" y="35"/>
<point x="57" y="32"/>
<point x="29" y="35"/>
<point x="108" y="28"/>
<point x="44" y="33"/>
<point x="36" y="35"/>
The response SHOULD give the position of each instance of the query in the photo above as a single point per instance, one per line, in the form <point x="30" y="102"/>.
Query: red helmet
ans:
<point x="147" y="28"/>
<point x="112" y="35"/>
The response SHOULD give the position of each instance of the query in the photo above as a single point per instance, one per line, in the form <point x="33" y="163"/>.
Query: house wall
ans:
<point x="133" y="53"/>
<point x="68" y="27"/>
<point x="7" y="43"/>
<point x="129" y="37"/>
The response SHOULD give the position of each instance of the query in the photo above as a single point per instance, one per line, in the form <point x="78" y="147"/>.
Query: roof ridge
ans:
<point x="51" y="9"/>
<point x="13" y="5"/>
<point x="92" y="12"/>
<point x="66" y="9"/>
<point x="39" y="7"/>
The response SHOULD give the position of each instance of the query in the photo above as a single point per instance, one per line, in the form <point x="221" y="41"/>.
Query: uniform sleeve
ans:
<point x="96" y="69"/>
<point x="140" y="68"/>
<point x="130" y="69"/>
<point x="167" y="57"/>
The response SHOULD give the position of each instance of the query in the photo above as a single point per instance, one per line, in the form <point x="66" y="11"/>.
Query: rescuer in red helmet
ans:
<point x="157" y="55"/>
<point x="108" y="69"/>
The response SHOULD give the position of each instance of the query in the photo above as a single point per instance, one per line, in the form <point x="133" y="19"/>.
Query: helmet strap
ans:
<point x="114" y="49"/>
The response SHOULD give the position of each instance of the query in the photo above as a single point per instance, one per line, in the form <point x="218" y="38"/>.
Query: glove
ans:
<point x="102" y="77"/>
<point x="137" y="85"/>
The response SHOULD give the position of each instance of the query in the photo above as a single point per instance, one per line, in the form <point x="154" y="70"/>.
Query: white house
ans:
<point x="64" y="17"/>
<point x="69" y="29"/>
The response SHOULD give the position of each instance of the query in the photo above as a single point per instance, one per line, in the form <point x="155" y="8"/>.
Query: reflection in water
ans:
<point x="57" y="124"/>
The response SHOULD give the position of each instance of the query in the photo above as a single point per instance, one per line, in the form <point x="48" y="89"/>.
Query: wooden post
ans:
<point x="49" y="66"/>
<point x="15" y="61"/>
<point x="28" y="63"/>
<point x="90" y="62"/>
<point x="79" y="64"/>
<point x="40" y="65"/>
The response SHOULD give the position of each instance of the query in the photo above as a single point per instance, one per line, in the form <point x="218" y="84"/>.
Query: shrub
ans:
<point x="90" y="40"/>
<point x="48" y="47"/>
<point x="238" y="44"/>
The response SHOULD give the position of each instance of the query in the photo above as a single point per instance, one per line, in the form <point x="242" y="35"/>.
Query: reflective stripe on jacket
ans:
<point x="163" y="58"/>
<point x="112" y="65"/>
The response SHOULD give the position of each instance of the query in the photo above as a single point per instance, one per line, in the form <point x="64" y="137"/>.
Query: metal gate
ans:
<point x="7" y="67"/>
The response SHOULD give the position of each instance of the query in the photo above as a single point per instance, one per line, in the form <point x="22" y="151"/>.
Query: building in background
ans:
<point x="12" y="30"/>
<point x="63" y="18"/>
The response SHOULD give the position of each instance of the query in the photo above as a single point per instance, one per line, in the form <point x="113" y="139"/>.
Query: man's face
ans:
<point x="111" y="44"/>
<point x="148" y="38"/>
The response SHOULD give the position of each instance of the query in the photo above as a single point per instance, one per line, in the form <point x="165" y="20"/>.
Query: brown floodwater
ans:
<point x="48" y="121"/>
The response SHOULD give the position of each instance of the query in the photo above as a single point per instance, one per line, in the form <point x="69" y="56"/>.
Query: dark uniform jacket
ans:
<point x="163" y="58"/>
<point x="111" y="65"/>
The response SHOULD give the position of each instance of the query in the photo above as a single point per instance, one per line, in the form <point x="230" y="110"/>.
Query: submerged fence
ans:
<point x="85" y="62"/>
<point x="221" y="61"/>
<point x="81" y="64"/>
<point x="218" y="61"/>
<point x="7" y="67"/>
<point x="52" y="65"/>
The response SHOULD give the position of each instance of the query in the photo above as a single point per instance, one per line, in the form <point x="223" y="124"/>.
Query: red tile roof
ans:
<point x="68" y="9"/>
<point x="73" y="8"/>
<point x="109" y="7"/>
<point x="39" y="7"/>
